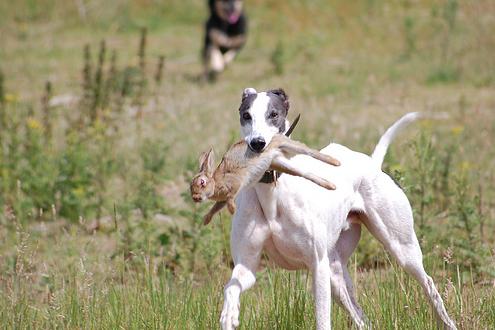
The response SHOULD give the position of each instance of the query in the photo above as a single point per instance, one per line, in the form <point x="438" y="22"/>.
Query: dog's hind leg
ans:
<point x="342" y="287"/>
<point x="322" y="292"/>
<point x="390" y="220"/>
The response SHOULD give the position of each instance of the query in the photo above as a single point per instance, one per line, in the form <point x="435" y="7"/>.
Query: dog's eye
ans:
<point x="246" y="116"/>
<point x="273" y="115"/>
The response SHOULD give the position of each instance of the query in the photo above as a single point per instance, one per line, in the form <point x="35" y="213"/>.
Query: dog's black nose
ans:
<point x="257" y="144"/>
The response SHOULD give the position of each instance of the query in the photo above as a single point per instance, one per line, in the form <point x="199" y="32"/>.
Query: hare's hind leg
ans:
<point x="282" y="164"/>
<point x="293" y="148"/>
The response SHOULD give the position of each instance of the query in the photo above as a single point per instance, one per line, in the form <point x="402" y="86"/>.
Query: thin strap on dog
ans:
<point x="293" y="125"/>
<point x="272" y="176"/>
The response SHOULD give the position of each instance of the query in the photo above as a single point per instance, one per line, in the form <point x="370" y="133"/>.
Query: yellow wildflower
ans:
<point x="457" y="130"/>
<point x="10" y="98"/>
<point x="465" y="166"/>
<point x="33" y="124"/>
<point x="79" y="192"/>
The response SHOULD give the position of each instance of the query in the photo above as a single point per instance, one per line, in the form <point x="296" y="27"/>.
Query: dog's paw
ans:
<point x="229" y="319"/>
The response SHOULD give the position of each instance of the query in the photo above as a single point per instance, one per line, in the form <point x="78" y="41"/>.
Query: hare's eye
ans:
<point x="202" y="182"/>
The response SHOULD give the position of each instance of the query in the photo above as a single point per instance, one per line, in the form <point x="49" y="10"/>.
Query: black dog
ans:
<point x="225" y="35"/>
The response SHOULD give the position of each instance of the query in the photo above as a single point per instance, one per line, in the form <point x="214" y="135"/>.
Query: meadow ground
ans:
<point x="97" y="230"/>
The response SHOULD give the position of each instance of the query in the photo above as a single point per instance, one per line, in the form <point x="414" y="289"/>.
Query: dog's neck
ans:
<point x="270" y="177"/>
<point x="268" y="196"/>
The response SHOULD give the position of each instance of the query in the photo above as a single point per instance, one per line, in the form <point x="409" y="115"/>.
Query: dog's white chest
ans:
<point x="297" y="228"/>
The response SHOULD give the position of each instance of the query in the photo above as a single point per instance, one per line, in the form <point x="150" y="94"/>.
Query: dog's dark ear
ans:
<point x="283" y="95"/>
<point x="248" y="91"/>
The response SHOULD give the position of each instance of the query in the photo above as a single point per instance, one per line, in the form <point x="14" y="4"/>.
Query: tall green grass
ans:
<point x="142" y="294"/>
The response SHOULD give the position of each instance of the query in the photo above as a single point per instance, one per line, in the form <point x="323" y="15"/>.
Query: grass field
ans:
<point x="97" y="229"/>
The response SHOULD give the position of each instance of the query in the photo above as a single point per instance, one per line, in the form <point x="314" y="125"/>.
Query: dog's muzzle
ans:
<point x="257" y="144"/>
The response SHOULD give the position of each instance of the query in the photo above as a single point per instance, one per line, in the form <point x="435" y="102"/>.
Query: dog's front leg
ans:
<point x="246" y="259"/>
<point x="243" y="277"/>
<point x="249" y="233"/>
<point x="322" y="293"/>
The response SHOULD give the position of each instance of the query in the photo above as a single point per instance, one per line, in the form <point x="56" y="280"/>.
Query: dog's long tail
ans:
<point x="387" y="138"/>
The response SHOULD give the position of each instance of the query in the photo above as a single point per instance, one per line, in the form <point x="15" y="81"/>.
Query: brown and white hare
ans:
<point x="241" y="167"/>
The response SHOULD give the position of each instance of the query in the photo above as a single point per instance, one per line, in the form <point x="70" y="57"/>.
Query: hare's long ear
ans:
<point x="206" y="161"/>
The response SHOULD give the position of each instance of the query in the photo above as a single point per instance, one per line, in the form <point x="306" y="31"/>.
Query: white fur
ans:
<point x="301" y="225"/>
<point x="249" y="90"/>
<point x="382" y="146"/>
<point x="259" y="127"/>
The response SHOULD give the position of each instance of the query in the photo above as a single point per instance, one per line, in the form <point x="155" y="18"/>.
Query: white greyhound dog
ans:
<point x="301" y="225"/>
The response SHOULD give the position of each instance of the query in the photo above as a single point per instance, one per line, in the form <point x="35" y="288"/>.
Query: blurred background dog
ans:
<point x="225" y="34"/>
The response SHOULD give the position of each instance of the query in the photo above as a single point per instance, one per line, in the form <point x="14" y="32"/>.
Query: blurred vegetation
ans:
<point x="102" y="117"/>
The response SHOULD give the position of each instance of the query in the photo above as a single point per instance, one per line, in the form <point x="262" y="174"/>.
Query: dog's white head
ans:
<point x="262" y="115"/>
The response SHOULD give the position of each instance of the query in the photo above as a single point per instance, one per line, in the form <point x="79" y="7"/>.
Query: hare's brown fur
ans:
<point x="241" y="167"/>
